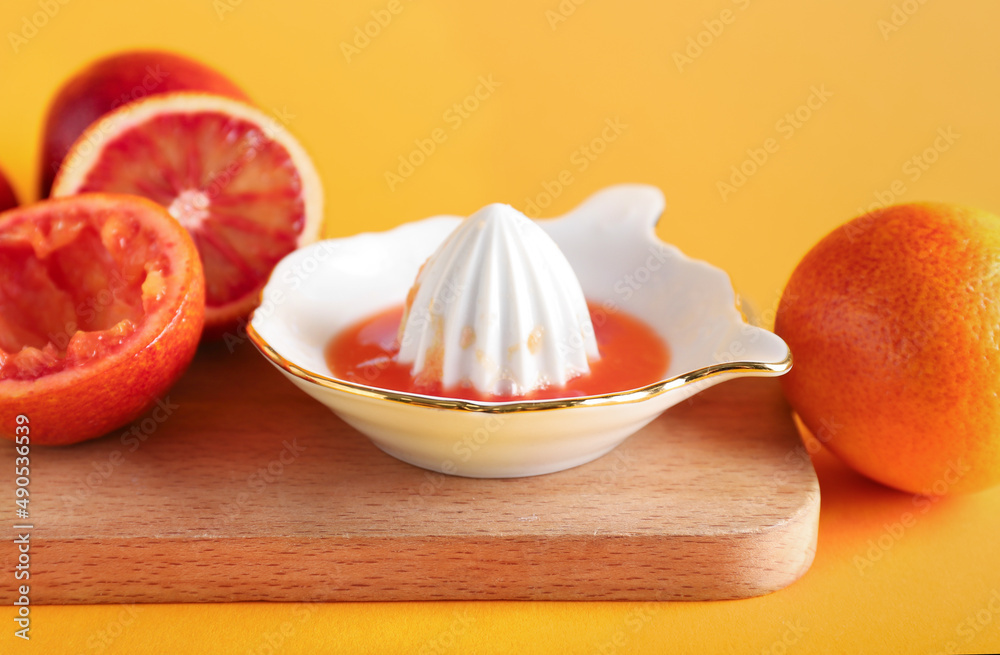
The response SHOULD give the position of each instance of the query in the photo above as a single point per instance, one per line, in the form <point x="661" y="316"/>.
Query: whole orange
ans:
<point x="893" y="320"/>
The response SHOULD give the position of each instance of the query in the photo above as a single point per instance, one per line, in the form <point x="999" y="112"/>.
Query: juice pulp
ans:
<point x="632" y="356"/>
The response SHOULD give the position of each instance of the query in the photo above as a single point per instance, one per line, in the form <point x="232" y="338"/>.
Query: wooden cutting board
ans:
<point x="239" y="487"/>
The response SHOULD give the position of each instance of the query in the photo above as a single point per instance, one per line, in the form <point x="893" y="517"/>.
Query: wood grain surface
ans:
<point x="239" y="487"/>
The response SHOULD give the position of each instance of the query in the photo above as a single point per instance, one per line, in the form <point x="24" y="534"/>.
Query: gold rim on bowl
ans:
<point x="745" y="368"/>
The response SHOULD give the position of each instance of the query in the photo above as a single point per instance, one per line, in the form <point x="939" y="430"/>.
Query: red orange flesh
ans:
<point x="101" y="310"/>
<point x="233" y="176"/>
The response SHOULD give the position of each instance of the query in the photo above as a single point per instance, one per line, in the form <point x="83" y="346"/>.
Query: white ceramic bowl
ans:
<point x="610" y="241"/>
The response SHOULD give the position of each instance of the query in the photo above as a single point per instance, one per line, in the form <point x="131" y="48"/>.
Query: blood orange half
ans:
<point x="233" y="176"/>
<point x="101" y="310"/>
<point x="110" y="82"/>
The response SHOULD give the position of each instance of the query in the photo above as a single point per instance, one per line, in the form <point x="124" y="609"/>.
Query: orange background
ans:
<point x="884" y="78"/>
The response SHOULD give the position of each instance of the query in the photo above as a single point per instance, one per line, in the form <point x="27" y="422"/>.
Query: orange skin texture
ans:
<point x="88" y="401"/>
<point x="893" y="320"/>
<point x="8" y="199"/>
<point x="114" y="81"/>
